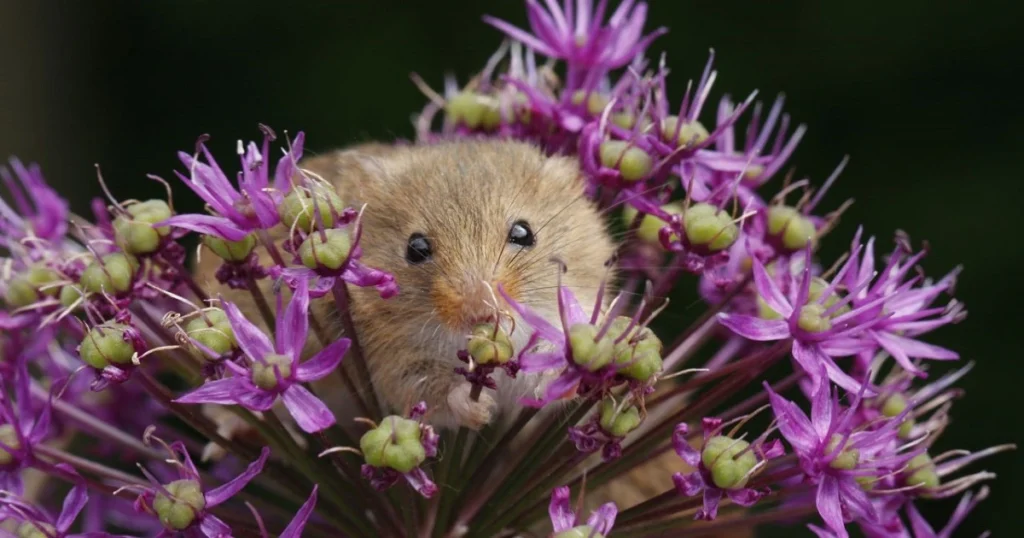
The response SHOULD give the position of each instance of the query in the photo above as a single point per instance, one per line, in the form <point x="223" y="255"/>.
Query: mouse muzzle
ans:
<point x="462" y="303"/>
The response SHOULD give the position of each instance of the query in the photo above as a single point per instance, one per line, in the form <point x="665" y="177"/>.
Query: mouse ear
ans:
<point x="563" y="170"/>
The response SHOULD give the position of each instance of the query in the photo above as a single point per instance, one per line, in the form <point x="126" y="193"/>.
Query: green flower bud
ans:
<point x="866" y="483"/>
<point x="583" y="531"/>
<point x="473" y="110"/>
<point x="35" y="529"/>
<point x="179" y="510"/>
<point x="650" y="226"/>
<point x="795" y="229"/>
<point x="707" y="225"/>
<point x="728" y="460"/>
<point x="69" y="295"/>
<point x="921" y="472"/>
<point x="906" y="428"/>
<point x="587" y="350"/>
<point x="618" y="421"/>
<point x="847" y="458"/>
<point x="105" y="345"/>
<point x="642" y="361"/>
<point x="632" y="162"/>
<point x="332" y="253"/>
<point x="394" y="444"/>
<point x="230" y="251"/>
<point x="812" y="318"/>
<point x="113" y="273"/>
<point x="690" y="134"/>
<point x="596" y="102"/>
<point x="893" y="405"/>
<point x="134" y="232"/>
<point x="487" y="346"/>
<point x="213" y="330"/>
<point x="299" y="208"/>
<point x="626" y="120"/>
<point x="9" y="438"/>
<point x="31" y="285"/>
<point x="263" y="374"/>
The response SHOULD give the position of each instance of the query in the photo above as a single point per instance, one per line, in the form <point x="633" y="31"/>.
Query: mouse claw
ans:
<point x="473" y="414"/>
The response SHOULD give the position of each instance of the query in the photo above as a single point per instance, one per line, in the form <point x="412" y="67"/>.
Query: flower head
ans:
<point x="567" y="523"/>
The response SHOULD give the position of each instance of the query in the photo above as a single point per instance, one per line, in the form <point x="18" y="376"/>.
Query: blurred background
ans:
<point x="923" y="95"/>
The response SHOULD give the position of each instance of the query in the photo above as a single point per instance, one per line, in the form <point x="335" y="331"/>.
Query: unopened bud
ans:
<point x="230" y="251"/>
<point x="708" y="226"/>
<point x="812" y="318"/>
<point x="31" y="285"/>
<point x="394" y="444"/>
<point x="300" y="207"/>
<point x="488" y="345"/>
<point x="921" y="472"/>
<point x="107" y="344"/>
<point x="587" y="350"/>
<point x="846" y="459"/>
<point x="641" y="361"/>
<point x="618" y="421"/>
<point x="69" y="295"/>
<point x="184" y="505"/>
<point x="268" y="374"/>
<point x="473" y="110"/>
<point x="134" y="231"/>
<point x="632" y="162"/>
<point x="9" y="438"/>
<point x="113" y="273"/>
<point x="327" y="251"/>
<point x="794" y="230"/>
<point x="213" y="330"/>
<point x="583" y="531"/>
<point x="689" y="134"/>
<point x="596" y="102"/>
<point x="729" y="461"/>
<point x="650" y="226"/>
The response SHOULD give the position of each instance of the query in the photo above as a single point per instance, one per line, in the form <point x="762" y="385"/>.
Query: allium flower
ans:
<point x="250" y="206"/>
<point x="274" y="370"/>
<point x="566" y="522"/>
<point x="115" y="298"/>
<point x="184" y="505"/>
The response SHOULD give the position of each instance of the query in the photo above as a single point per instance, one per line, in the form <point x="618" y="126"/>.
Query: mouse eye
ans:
<point x="418" y="249"/>
<point x="521" y="234"/>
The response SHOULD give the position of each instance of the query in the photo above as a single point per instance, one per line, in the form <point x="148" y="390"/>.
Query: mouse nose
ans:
<point x="462" y="304"/>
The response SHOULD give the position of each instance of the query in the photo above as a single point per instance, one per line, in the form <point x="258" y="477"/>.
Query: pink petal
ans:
<point x="793" y="423"/>
<point x="220" y="494"/>
<point x="688" y="484"/>
<point x="769" y="291"/>
<point x="294" y="528"/>
<point x="822" y="412"/>
<point x="421" y="483"/>
<point x="603" y="519"/>
<point x="751" y="328"/>
<point x="212" y="527"/>
<point x="206" y="224"/>
<point x="310" y="413"/>
<point x="73" y="505"/>
<point x="560" y="510"/>
<point x="221" y="391"/>
<point x="539" y="362"/>
<point x="682" y="447"/>
<point x="536" y="322"/>
<point x="323" y="362"/>
<point x="254" y="343"/>
<point x="293" y="326"/>
<point x="827" y="501"/>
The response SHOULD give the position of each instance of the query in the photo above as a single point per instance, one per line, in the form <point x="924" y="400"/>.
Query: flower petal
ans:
<point x="537" y="322"/>
<point x="229" y="489"/>
<point x="310" y="413"/>
<point x="206" y="224"/>
<point x="73" y="505"/>
<point x="293" y="325"/>
<point x="294" y="528"/>
<point x="324" y="362"/>
<point x="769" y="291"/>
<point x="560" y="510"/>
<point x="751" y="328"/>
<point x="212" y="527"/>
<point x="421" y="483"/>
<point x="793" y="423"/>
<point x="688" y="484"/>
<point x="603" y="519"/>
<point x="827" y="501"/>
<point x="219" y="391"/>
<point x="682" y="446"/>
<point x="542" y="361"/>
<point x="253" y="341"/>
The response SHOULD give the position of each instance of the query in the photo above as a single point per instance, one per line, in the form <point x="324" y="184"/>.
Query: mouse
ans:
<point x="452" y="222"/>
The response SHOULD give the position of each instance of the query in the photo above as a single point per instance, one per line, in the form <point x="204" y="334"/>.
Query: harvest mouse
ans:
<point x="452" y="222"/>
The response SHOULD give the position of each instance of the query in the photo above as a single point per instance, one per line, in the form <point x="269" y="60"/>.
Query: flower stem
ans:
<point x="343" y="302"/>
<point x="261" y="303"/>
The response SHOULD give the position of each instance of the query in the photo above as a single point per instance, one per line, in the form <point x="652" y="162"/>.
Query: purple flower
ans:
<point x="298" y="523"/>
<point x="397" y="448"/>
<point x="184" y="504"/>
<point x="31" y="521"/>
<point x="250" y="206"/>
<point x="578" y="35"/>
<point x="38" y="211"/>
<point x="564" y="518"/>
<point x="274" y="370"/>
<point x="724" y="466"/>
<point x="22" y="426"/>
<point x="835" y="451"/>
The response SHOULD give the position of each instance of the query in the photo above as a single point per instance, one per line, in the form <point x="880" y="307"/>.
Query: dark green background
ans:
<point x="923" y="95"/>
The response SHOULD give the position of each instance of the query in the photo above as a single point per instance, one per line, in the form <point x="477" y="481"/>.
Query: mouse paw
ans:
<point x="467" y="412"/>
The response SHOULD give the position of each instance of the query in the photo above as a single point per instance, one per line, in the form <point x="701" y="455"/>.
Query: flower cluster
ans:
<point x="253" y="365"/>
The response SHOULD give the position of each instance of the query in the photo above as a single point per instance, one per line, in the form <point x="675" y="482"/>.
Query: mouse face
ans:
<point x="454" y="221"/>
